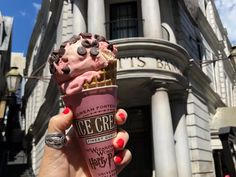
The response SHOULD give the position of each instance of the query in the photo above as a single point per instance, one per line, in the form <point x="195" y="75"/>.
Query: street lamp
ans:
<point x="13" y="127"/>
<point x="231" y="57"/>
<point x="13" y="78"/>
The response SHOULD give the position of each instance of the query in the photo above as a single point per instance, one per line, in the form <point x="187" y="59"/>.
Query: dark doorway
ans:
<point x="138" y="126"/>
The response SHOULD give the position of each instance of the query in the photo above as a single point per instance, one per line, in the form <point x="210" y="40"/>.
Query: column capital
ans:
<point x="171" y="86"/>
<point x="158" y="84"/>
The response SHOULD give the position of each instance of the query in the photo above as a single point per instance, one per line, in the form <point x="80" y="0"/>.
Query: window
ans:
<point x="123" y="20"/>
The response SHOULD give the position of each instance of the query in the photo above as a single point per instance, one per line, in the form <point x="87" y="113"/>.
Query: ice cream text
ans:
<point x="95" y="125"/>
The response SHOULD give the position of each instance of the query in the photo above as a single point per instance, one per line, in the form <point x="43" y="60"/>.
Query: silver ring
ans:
<point x="55" y="140"/>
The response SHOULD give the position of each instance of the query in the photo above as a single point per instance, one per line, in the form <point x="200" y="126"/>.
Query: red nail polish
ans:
<point x="120" y="142"/>
<point x="66" y="110"/>
<point x="118" y="159"/>
<point x="121" y="115"/>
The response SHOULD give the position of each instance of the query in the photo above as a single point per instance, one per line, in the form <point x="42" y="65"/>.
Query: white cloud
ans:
<point x="36" y="6"/>
<point x="227" y="11"/>
<point x="23" y="13"/>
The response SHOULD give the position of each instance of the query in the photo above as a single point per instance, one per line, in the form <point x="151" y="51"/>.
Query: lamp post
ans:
<point x="13" y="129"/>
<point x="13" y="78"/>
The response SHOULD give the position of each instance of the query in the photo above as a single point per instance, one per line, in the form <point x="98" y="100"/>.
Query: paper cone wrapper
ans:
<point x="94" y="120"/>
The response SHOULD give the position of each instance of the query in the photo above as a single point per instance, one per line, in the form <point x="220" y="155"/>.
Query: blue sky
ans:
<point x="24" y="13"/>
<point x="227" y="11"/>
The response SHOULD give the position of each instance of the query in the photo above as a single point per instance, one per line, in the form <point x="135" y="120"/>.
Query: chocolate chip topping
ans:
<point x="101" y="38"/>
<point x="57" y="58"/>
<point x="66" y="70"/>
<point x="110" y="47"/>
<point x="53" y="58"/>
<point x="52" y="69"/>
<point x="94" y="51"/>
<point x="86" y="35"/>
<point x="73" y="39"/>
<point x="63" y="44"/>
<point x="96" y="36"/>
<point x="86" y="43"/>
<point x="61" y="51"/>
<point x="95" y="43"/>
<point x="81" y="50"/>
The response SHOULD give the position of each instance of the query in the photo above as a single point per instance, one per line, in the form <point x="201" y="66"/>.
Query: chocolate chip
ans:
<point x="86" y="35"/>
<point x="86" y="43"/>
<point x="52" y="69"/>
<point x="101" y="38"/>
<point x="81" y="51"/>
<point x="51" y="60"/>
<point x="57" y="58"/>
<point x="110" y="47"/>
<point x="61" y="51"/>
<point x="95" y="43"/>
<point x="63" y="44"/>
<point x="66" y="70"/>
<point x="96" y="36"/>
<point x="73" y="39"/>
<point x="94" y="51"/>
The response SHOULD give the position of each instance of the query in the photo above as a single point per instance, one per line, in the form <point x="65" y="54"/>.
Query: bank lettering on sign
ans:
<point x="148" y="63"/>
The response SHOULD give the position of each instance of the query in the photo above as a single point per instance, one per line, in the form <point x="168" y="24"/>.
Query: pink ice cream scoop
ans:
<point x="81" y="60"/>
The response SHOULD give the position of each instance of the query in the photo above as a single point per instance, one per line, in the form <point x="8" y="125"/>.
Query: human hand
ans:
<point x="64" y="163"/>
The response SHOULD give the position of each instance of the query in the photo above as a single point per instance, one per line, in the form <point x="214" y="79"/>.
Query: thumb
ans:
<point x="60" y="122"/>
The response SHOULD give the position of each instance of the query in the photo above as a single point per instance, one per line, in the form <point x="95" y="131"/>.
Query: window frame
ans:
<point x="139" y="16"/>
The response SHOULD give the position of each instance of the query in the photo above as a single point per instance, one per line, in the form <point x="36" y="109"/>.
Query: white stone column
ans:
<point x="182" y="150"/>
<point x="79" y="21"/>
<point x="163" y="138"/>
<point x="152" y="19"/>
<point x="96" y="17"/>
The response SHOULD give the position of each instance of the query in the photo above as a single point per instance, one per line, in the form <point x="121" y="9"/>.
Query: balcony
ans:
<point x="144" y="63"/>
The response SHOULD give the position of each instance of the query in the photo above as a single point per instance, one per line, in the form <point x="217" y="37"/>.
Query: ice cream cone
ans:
<point x="85" y="69"/>
<point x="94" y="110"/>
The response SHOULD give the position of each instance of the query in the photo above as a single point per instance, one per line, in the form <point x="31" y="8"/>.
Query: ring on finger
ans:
<point x="55" y="140"/>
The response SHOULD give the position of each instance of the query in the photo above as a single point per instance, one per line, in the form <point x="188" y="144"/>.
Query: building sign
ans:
<point x="130" y="63"/>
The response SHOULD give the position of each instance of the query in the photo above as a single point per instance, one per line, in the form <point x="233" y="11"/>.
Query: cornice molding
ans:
<point x="200" y="84"/>
<point x="208" y="32"/>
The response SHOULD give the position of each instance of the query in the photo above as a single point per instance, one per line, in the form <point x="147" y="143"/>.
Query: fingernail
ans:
<point x="122" y="116"/>
<point x="66" y="110"/>
<point x="118" y="159"/>
<point x="120" y="142"/>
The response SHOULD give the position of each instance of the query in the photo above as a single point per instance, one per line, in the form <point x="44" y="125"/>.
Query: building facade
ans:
<point x="173" y="74"/>
<point x="6" y="24"/>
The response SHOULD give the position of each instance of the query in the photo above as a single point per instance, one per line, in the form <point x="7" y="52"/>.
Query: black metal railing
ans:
<point x="123" y="28"/>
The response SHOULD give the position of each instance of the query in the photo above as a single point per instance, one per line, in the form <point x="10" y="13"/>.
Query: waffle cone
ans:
<point x="107" y="76"/>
